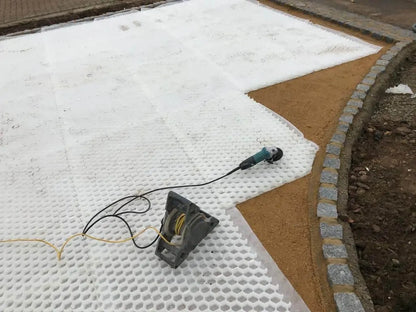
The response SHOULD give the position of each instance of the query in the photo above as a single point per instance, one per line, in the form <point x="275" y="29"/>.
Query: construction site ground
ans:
<point x="284" y="219"/>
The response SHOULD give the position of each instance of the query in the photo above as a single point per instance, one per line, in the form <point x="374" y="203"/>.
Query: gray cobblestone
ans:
<point x="342" y="127"/>
<point x="340" y="274"/>
<point x="401" y="44"/>
<point x="372" y="74"/>
<point x="368" y="81"/>
<point x="333" y="149"/>
<point x="330" y="230"/>
<point x="394" y="50"/>
<point x="351" y="109"/>
<point x="382" y="62"/>
<point x="334" y="251"/>
<point x="348" y="302"/>
<point x="328" y="193"/>
<point x="327" y="210"/>
<point x="387" y="57"/>
<point x="357" y="102"/>
<point x="332" y="162"/>
<point x="377" y="35"/>
<point x="363" y="87"/>
<point x="338" y="138"/>
<point x="329" y="176"/>
<point x="359" y="95"/>
<point x="348" y="118"/>
<point x="378" y="68"/>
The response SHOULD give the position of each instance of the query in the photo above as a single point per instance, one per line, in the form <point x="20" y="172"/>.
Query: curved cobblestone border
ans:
<point x="344" y="276"/>
<point x="382" y="80"/>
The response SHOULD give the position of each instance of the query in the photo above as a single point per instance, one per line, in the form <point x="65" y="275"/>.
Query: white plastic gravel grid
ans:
<point x="98" y="110"/>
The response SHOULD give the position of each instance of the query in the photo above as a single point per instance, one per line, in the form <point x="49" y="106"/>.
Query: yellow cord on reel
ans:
<point x="178" y="228"/>
<point x="179" y="223"/>
<point x="59" y="251"/>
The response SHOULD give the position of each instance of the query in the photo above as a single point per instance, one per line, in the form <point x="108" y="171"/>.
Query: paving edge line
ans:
<point x="78" y="15"/>
<point x="338" y="246"/>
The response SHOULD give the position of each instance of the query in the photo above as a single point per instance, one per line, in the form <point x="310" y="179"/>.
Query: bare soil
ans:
<point x="382" y="198"/>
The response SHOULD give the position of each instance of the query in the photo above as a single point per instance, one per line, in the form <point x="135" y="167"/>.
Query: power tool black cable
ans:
<point x="132" y="198"/>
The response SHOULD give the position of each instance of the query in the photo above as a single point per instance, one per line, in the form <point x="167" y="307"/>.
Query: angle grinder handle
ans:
<point x="270" y="154"/>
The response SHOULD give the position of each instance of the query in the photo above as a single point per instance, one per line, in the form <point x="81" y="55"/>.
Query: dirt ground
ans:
<point x="401" y="13"/>
<point x="382" y="192"/>
<point x="285" y="218"/>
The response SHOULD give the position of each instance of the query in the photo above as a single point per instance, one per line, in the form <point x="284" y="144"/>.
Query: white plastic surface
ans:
<point x="99" y="110"/>
<point x="400" y="89"/>
<point x="257" y="46"/>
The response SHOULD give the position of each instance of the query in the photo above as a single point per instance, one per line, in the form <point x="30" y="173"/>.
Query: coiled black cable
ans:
<point x="131" y="198"/>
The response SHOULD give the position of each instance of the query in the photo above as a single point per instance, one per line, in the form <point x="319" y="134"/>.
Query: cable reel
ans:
<point x="184" y="225"/>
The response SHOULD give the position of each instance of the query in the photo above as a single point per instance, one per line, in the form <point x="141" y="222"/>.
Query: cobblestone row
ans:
<point x="334" y="250"/>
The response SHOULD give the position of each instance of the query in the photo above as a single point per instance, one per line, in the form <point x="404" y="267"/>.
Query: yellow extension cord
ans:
<point x="179" y="223"/>
<point x="59" y="251"/>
